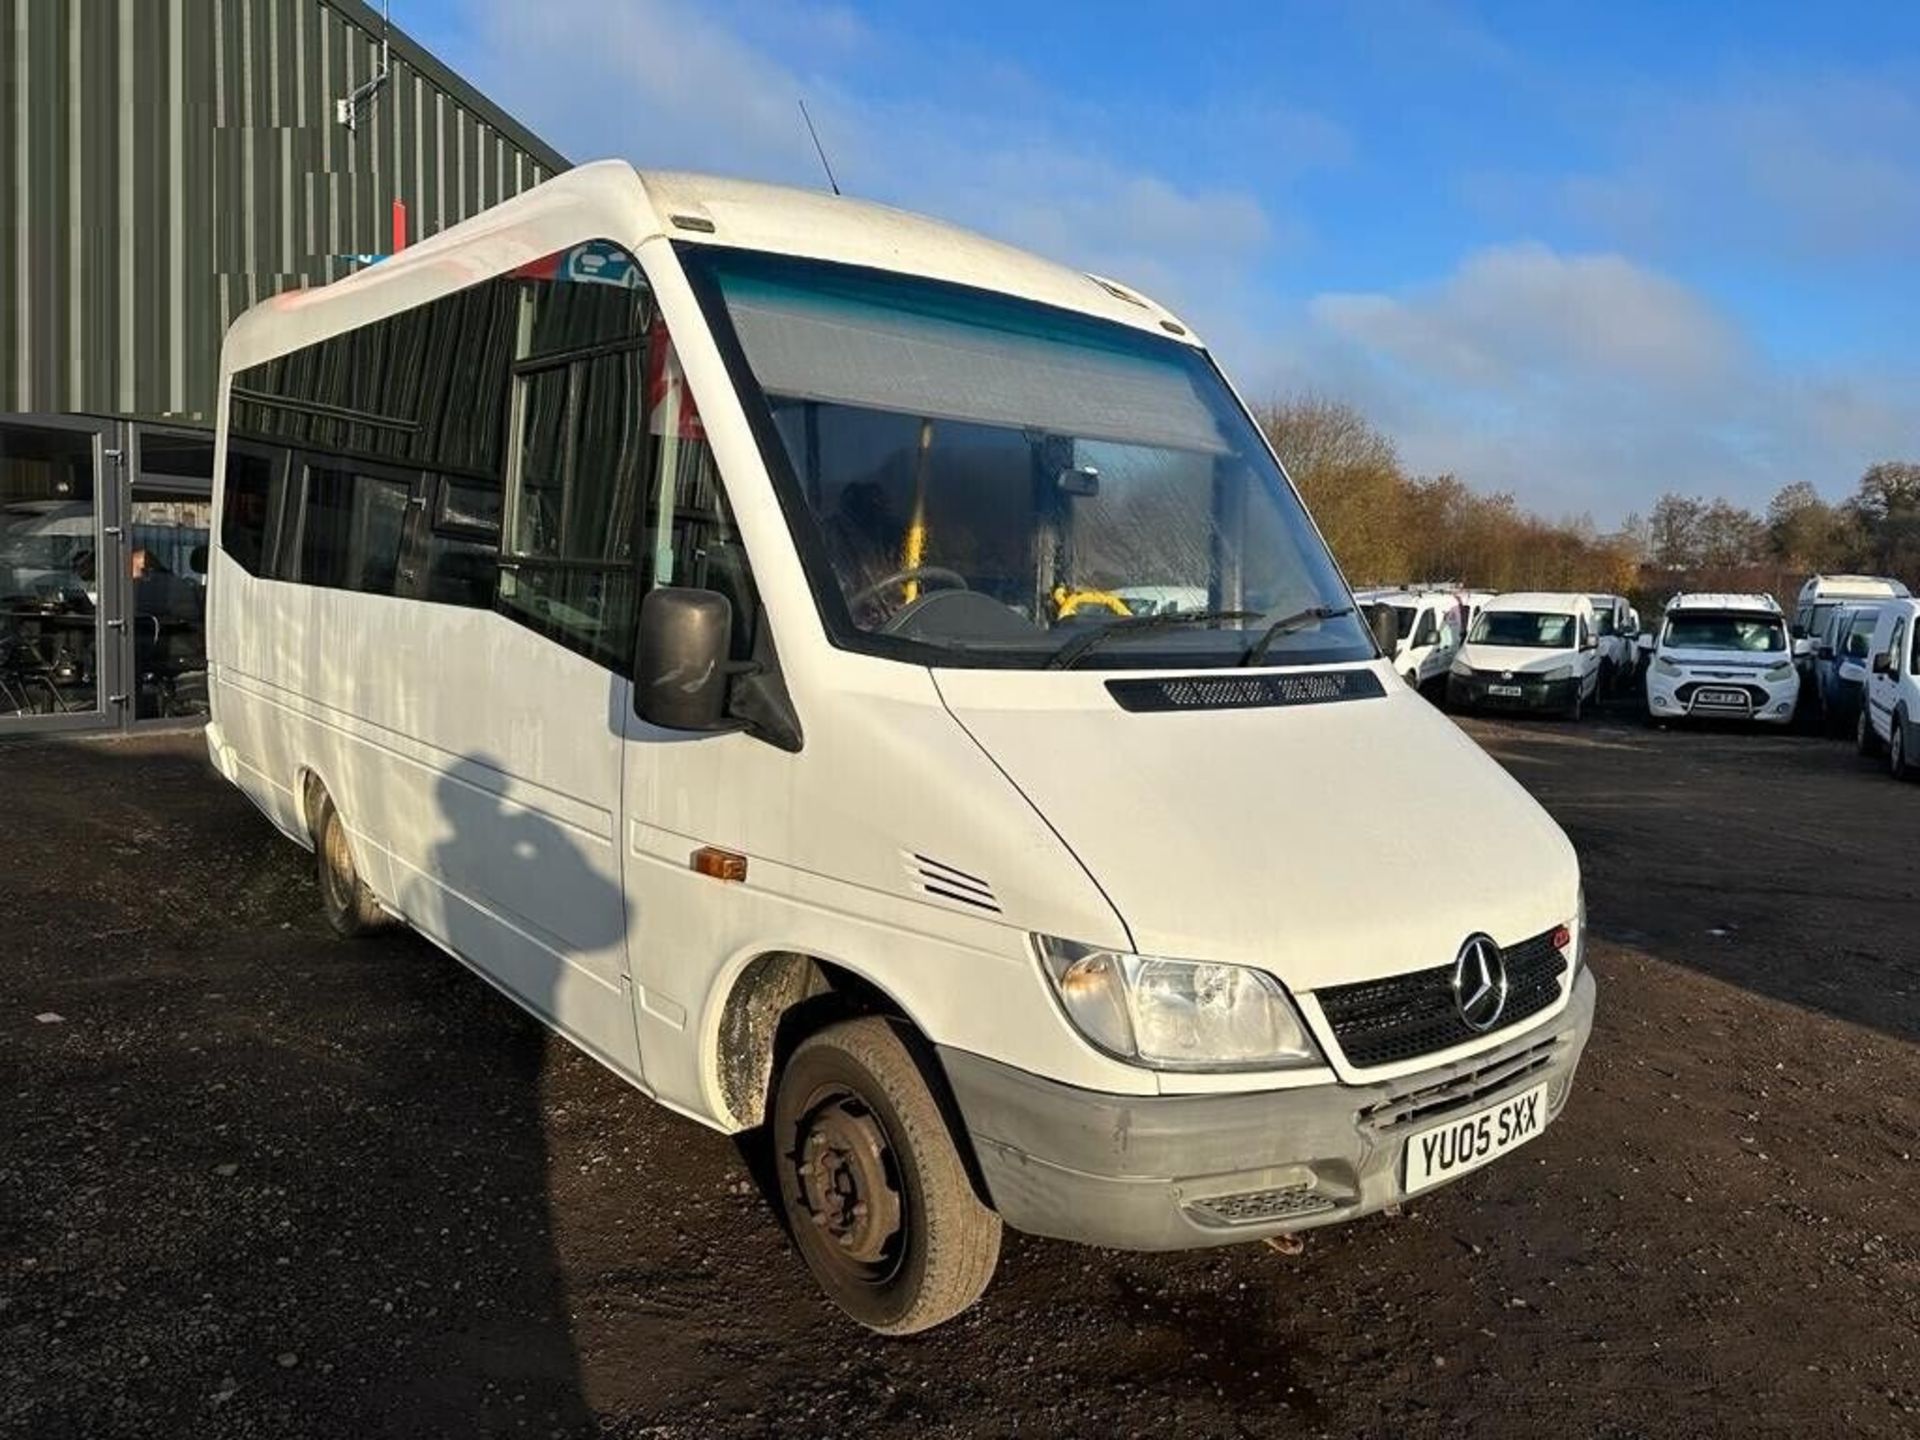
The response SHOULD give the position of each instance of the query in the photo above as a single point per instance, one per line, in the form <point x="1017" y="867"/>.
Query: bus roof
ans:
<point x="611" y="200"/>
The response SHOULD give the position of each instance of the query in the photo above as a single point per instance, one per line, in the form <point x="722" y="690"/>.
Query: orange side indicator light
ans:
<point x="718" y="864"/>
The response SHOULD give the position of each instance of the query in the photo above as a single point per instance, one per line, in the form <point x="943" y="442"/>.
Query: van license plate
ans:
<point x="1514" y="690"/>
<point x="1721" y="697"/>
<point x="1472" y="1140"/>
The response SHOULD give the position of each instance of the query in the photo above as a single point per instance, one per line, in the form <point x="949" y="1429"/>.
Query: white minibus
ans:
<point x="696" y="606"/>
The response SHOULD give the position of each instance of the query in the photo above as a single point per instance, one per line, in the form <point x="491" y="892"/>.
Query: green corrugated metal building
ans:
<point x="164" y="164"/>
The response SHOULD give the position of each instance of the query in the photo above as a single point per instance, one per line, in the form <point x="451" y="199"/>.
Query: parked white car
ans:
<point x="1890" y="717"/>
<point x="1530" y="650"/>
<point x="1430" y="632"/>
<point x="1724" y="657"/>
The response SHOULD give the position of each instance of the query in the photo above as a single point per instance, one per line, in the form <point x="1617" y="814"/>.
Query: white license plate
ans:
<point x="1504" y="690"/>
<point x="1470" y="1141"/>
<point x="1721" y="697"/>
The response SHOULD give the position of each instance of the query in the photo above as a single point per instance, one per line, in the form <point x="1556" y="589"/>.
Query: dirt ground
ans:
<point x="256" y="1181"/>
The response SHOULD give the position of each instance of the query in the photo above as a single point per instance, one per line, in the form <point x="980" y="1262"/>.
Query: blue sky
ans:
<point x="1585" y="253"/>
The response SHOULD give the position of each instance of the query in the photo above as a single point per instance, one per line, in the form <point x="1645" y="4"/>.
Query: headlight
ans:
<point x="1666" y="666"/>
<point x="1176" y="1014"/>
<point x="1559" y="672"/>
<point x="1462" y="669"/>
<point x="1780" y="671"/>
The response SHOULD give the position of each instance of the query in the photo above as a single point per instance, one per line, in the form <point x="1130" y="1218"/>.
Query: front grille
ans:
<point x="1287" y="1203"/>
<point x="1462" y="1091"/>
<point x="1382" y="1022"/>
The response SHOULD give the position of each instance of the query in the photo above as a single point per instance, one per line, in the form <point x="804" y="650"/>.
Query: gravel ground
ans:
<point x="256" y="1181"/>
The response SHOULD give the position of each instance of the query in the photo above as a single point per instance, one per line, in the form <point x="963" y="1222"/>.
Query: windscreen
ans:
<point x="1708" y="630"/>
<point x="1524" y="629"/>
<point x="977" y="479"/>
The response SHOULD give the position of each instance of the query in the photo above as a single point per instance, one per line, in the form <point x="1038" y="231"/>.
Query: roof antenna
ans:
<point x="819" y="149"/>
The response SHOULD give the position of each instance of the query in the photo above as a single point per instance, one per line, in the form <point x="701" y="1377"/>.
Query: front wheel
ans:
<point x="873" y="1185"/>
<point x="1899" y="762"/>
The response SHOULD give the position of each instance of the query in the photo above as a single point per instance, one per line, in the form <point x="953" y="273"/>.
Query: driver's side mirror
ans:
<point x="1386" y="628"/>
<point x="1825" y="652"/>
<point x="1802" y="648"/>
<point x="680" y="671"/>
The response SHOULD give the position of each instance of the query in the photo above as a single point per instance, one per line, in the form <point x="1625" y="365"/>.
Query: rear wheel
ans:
<point x="874" y="1188"/>
<point x="350" y="907"/>
<point x="1864" y="740"/>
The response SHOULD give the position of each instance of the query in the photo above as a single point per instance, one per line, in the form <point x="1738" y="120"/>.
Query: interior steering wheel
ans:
<point x="951" y="579"/>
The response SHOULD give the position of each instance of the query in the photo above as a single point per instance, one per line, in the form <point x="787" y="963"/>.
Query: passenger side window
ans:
<point x="1424" y="631"/>
<point x="247" y="518"/>
<point x="351" y="527"/>
<point x="688" y="532"/>
<point x="580" y="408"/>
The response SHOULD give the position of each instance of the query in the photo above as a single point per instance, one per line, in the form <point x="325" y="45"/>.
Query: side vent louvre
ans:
<point x="943" y="882"/>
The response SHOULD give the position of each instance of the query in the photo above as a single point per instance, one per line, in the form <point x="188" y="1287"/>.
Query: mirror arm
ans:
<point x="757" y="695"/>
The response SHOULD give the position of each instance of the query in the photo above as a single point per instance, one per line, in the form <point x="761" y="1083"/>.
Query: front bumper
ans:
<point x="1680" y="697"/>
<point x="1174" y="1172"/>
<point x="1474" y="692"/>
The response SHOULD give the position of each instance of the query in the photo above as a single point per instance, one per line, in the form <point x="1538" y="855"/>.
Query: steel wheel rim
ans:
<point x="846" y="1186"/>
<point x="339" y="862"/>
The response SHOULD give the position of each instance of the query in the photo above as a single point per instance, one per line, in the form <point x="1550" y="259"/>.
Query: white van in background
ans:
<point x="696" y="606"/>
<point x="1615" y="630"/>
<point x="1430" y="631"/>
<point x="1890" y="710"/>
<point x="1529" y="650"/>
<point x="1725" y="657"/>
<point x="1822" y="592"/>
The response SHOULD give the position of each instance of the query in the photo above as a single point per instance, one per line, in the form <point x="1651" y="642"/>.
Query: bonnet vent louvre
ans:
<point x="1246" y="692"/>
<point x="943" y="882"/>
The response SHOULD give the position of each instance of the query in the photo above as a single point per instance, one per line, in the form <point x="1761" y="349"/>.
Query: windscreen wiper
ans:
<point x="1287" y="624"/>
<point x="1065" y="657"/>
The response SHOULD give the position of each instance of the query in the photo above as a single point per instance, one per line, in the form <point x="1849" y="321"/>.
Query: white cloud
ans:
<point x="1794" y="166"/>
<point x="715" y="86"/>
<point x="1591" y="383"/>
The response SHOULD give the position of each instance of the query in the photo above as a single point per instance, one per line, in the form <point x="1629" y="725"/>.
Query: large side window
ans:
<point x="352" y="524"/>
<point x="249" y="513"/>
<point x="580" y="408"/>
<point x="526" y="445"/>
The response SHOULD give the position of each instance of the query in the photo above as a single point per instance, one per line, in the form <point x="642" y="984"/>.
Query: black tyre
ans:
<point x="1575" y="706"/>
<point x="1864" y="740"/>
<point x="350" y="907"/>
<point x="1899" y="761"/>
<point x="875" y="1190"/>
